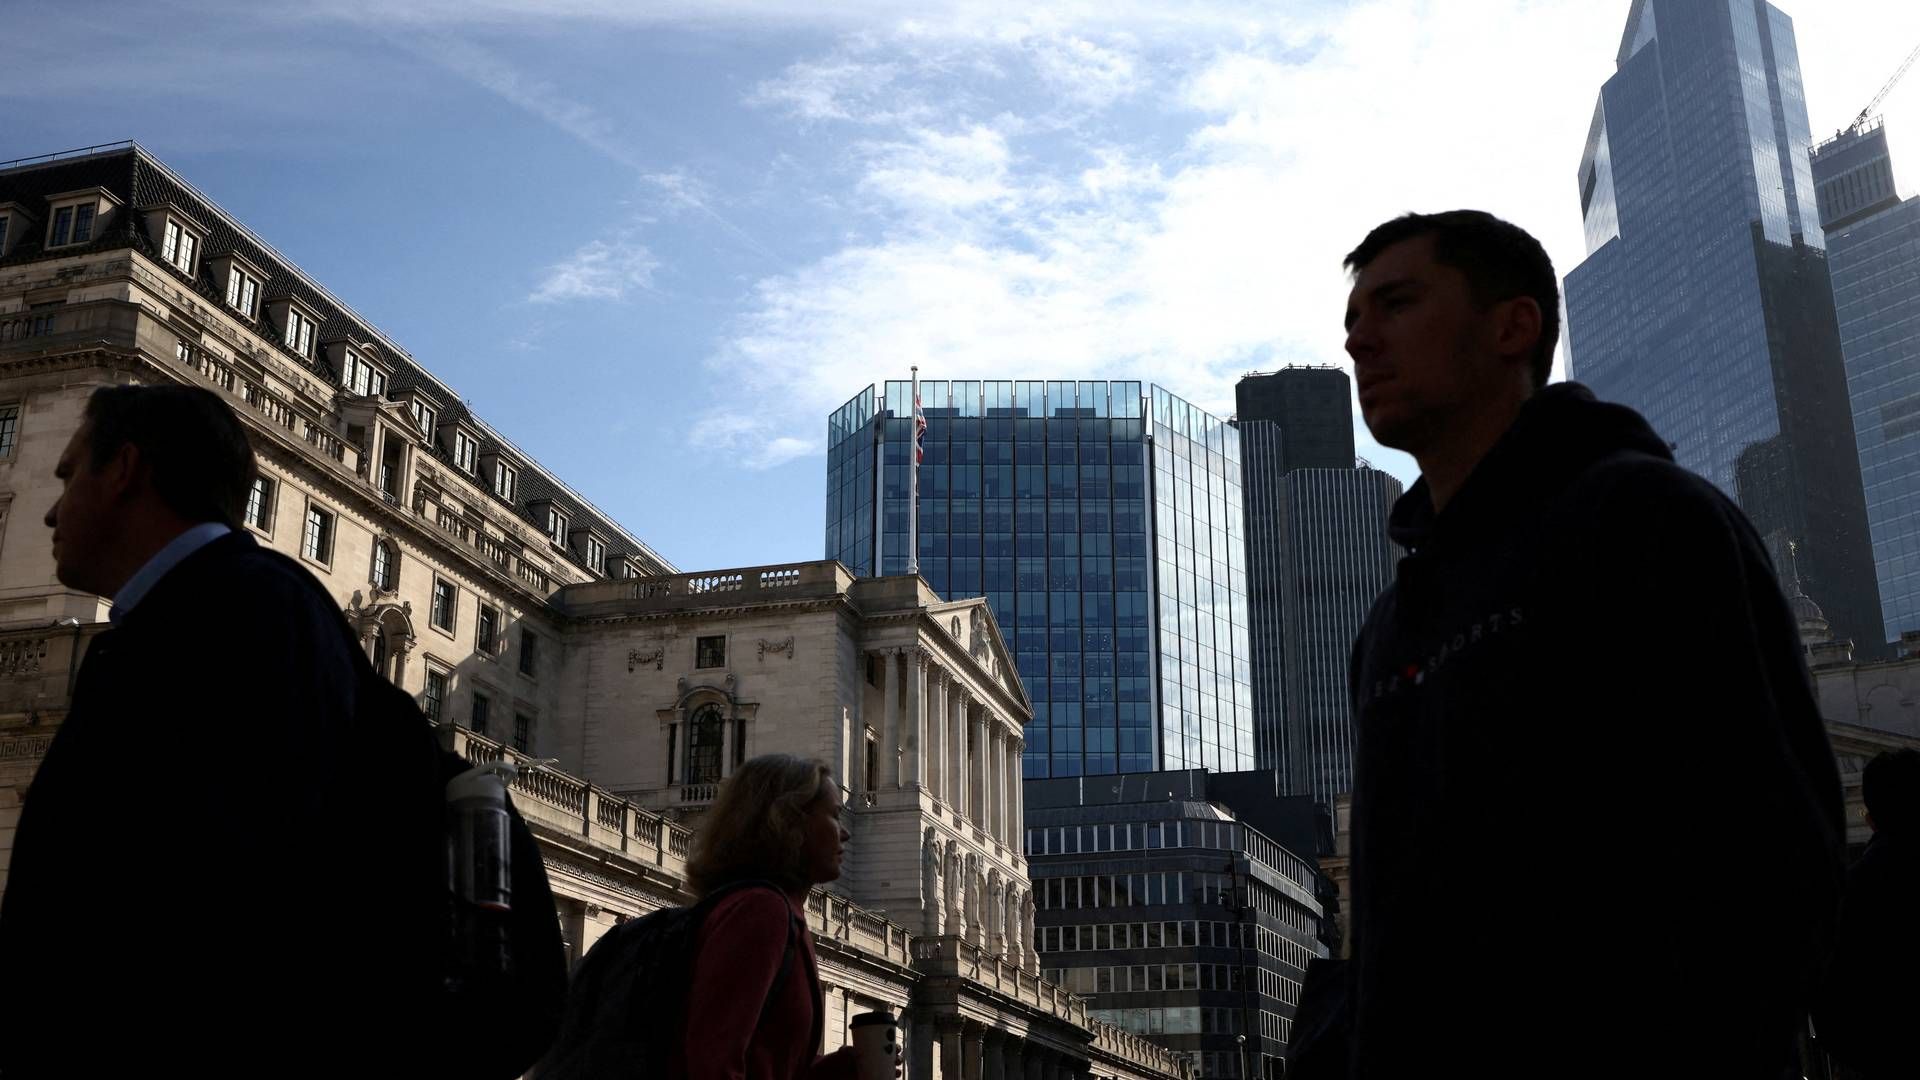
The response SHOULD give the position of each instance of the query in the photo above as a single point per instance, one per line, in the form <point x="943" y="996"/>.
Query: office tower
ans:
<point x="1317" y="556"/>
<point x="1103" y="524"/>
<point x="1172" y="903"/>
<point x="1873" y="247"/>
<point x="1704" y="301"/>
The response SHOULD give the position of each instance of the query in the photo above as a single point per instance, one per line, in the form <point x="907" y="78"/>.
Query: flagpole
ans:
<point x="913" y="500"/>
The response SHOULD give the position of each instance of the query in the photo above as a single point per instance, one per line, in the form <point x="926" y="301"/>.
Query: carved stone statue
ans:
<point x="930" y="881"/>
<point x="976" y="906"/>
<point x="1026" y="931"/>
<point x="1011" y="913"/>
<point x="956" y="889"/>
<point x="996" y="914"/>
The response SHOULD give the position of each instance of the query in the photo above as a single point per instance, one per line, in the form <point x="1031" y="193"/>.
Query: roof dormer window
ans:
<point x="297" y="323"/>
<point x="77" y="216"/>
<point x="240" y="281"/>
<point x="423" y="415"/>
<point x="499" y="472"/>
<point x="552" y="520"/>
<point x="592" y="548"/>
<point x="179" y="247"/>
<point x="360" y="373"/>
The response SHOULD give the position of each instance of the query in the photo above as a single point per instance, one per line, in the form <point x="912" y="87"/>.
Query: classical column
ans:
<point x="936" y="707"/>
<point x="972" y="1051"/>
<point x="957" y="771"/>
<point x="1036" y="1063"/>
<point x="920" y="1043"/>
<point x="977" y="792"/>
<point x="1016" y="1058"/>
<point x="916" y="718"/>
<point x="993" y="1064"/>
<point x="1017" y="791"/>
<point x="890" y="731"/>
<point x="949" y="1033"/>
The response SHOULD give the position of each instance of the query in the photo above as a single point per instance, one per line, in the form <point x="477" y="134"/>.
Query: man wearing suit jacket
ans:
<point x="189" y="886"/>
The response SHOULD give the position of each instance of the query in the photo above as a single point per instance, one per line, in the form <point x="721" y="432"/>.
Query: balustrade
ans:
<point x="22" y="655"/>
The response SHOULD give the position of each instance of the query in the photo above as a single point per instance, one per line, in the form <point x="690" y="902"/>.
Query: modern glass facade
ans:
<point x="1102" y="523"/>
<point x="1705" y="301"/>
<point x="1174" y="917"/>
<point x="1874" y="249"/>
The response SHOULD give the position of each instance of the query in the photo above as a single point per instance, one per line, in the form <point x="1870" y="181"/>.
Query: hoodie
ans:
<point x="1596" y="822"/>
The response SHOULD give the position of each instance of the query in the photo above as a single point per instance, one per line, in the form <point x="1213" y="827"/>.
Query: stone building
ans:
<point x="530" y="625"/>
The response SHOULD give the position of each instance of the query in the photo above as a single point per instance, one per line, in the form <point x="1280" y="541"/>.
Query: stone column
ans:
<point x="994" y="1062"/>
<point x="977" y="792"/>
<point x="972" y="1051"/>
<point x="890" y="723"/>
<point x="949" y="1037"/>
<point x="916" y="719"/>
<point x="1016" y="1058"/>
<point x="957" y="771"/>
<point x="936" y="707"/>
<point x="996" y="754"/>
<point x="1036" y="1063"/>
<point x="920" y="1046"/>
<point x="1017" y="791"/>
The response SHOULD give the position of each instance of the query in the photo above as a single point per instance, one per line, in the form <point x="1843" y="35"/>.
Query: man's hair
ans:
<point x="753" y="830"/>
<point x="1501" y="261"/>
<point x="1890" y="785"/>
<point x="194" y="447"/>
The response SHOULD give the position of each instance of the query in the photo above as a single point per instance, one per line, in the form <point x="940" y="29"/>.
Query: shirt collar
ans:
<point x="176" y="551"/>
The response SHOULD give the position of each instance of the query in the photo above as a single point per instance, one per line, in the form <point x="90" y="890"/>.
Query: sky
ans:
<point x="656" y="244"/>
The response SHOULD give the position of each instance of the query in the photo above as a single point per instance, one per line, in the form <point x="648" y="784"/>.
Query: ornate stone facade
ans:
<point x="502" y="600"/>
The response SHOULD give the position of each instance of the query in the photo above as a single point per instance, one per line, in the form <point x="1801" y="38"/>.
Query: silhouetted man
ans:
<point x="191" y="891"/>
<point x="1872" y="1000"/>
<point x="1596" y="823"/>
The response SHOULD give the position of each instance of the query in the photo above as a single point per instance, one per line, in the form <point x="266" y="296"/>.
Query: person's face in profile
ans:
<point x="1416" y="339"/>
<point x="83" y="518"/>
<point x="823" y="841"/>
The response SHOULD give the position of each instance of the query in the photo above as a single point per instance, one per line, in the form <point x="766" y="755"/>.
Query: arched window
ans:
<point x="386" y="567"/>
<point x="704" y="734"/>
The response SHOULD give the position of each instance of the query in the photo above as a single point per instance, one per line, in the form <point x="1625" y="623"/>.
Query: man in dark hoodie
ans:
<point x="1596" y="823"/>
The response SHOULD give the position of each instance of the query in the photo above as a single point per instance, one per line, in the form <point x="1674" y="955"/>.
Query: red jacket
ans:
<point x="740" y="1026"/>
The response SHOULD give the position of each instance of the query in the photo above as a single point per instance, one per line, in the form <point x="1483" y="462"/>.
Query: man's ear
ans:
<point x="1517" y="327"/>
<point x="124" y="475"/>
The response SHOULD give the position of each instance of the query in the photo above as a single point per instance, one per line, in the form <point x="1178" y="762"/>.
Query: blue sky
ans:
<point x="655" y="244"/>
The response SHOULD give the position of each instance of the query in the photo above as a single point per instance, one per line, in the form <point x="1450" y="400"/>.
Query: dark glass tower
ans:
<point x="1317" y="556"/>
<point x="1705" y="301"/>
<point x="1102" y="523"/>
<point x="1873" y="245"/>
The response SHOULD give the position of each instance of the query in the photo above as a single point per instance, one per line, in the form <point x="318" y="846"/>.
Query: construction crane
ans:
<point x="1867" y="113"/>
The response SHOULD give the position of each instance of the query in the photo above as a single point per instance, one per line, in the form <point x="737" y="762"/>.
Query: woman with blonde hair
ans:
<point x="753" y="1005"/>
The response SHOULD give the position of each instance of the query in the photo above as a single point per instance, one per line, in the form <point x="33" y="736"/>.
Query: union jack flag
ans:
<point x="919" y="430"/>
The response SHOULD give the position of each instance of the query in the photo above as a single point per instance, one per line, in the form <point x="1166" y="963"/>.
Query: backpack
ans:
<point x="443" y="1021"/>
<point x="627" y="1007"/>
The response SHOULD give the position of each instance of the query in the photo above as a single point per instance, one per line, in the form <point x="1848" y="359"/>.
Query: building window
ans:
<point x="870" y="768"/>
<point x="4" y="218"/>
<point x="423" y="416"/>
<point x="299" y="332"/>
<point x="177" y="249"/>
<point x="466" y="451"/>
<point x="73" y="225"/>
<point x="529" y="652"/>
<point x="478" y="720"/>
<point x="486" y="630"/>
<point x="360" y="377"/>
<point x="704" y="734"/>
<point x="436" y="695"/>
<point x="523" y="733"/>
<point x="316" y="541"/>
<point x="386" y="567"/>
<point x="243" y="292"/>
<point x="596" y="554"/>
<point x="444" y="598"/>
<point x="259" y="513"/>
<point x="557" y="526"/>
<point x="9" y="428"/>
<point x="504" y="477"/>
<point x="710" y="652"/>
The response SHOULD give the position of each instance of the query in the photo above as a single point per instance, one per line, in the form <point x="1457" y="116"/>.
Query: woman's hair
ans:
<point x="753" y="829"/>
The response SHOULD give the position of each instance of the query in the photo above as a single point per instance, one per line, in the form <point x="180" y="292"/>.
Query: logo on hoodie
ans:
<point x="1415" y="672"/>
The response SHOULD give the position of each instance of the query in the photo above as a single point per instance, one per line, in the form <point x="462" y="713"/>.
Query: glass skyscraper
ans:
<point x="1103" y="524"/>
<point x="1873" y="245"/>
<point x="1317" y="556"/>
<point x="1705" y="301"/>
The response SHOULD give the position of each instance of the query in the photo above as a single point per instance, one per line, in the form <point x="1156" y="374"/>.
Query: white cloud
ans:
<point x="597" y="271"/>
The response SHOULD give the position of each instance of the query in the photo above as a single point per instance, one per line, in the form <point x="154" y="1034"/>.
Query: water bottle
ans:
<point x="480" y="871"/>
